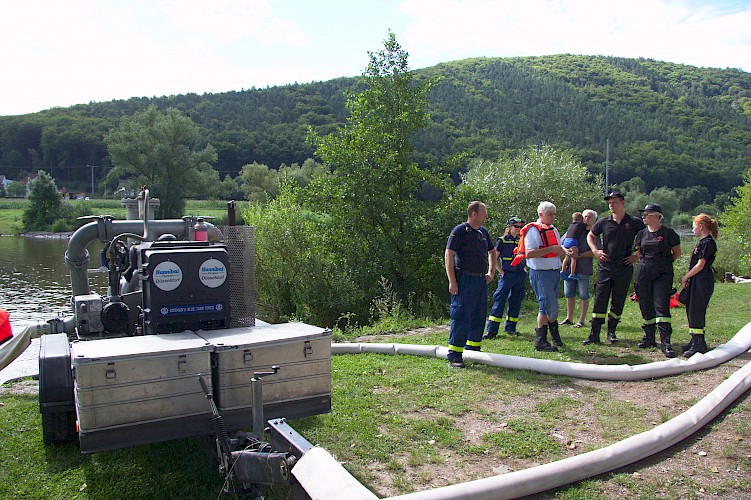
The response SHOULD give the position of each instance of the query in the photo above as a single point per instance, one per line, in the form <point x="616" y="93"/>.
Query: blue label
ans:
<point x="191" y="309"/>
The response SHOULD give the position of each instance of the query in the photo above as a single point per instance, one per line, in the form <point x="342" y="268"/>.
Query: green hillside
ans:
<point x="672" y="125"/>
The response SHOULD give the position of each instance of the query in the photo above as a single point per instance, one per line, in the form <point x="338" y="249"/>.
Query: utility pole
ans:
<point x="607" y="166"/>
<point x="92" y="180"/>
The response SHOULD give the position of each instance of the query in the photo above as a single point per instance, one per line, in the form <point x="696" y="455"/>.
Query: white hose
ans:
<point x="739" y="344"/>
<point x="620" y="454"/>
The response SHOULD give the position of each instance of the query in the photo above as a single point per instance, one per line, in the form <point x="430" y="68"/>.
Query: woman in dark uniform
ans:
<point x="658" y="247"/>
<point x="510" y="284"/>
<point x="700" y="282"/>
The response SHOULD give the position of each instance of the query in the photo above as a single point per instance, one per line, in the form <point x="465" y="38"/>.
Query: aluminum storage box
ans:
<point x="301" y="387"/>
<point x="123" y="383"/>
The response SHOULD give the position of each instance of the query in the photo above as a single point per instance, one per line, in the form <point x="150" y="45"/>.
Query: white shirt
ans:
<point x="533" y="241"/>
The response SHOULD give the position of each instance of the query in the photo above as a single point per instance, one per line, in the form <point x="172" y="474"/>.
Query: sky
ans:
<point x="60" y="53"/>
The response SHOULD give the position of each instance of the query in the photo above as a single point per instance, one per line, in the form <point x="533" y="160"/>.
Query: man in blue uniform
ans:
<point x="616" y="265"/>
<point x="470" y="257"/>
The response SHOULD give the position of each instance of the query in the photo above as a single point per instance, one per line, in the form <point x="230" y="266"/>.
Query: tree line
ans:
<point x="669" y="125"/>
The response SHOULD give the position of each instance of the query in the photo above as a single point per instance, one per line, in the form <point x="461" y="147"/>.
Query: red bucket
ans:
<point x="5" y="333"/>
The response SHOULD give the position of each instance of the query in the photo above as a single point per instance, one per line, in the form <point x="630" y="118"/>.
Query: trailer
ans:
<point x="173" y="350"/>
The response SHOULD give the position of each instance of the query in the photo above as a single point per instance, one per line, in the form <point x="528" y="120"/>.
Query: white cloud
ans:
<point x="671" y="30"/>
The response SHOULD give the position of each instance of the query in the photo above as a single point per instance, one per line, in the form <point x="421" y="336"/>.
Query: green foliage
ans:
<point x="668" y="124"/>
<point x="737" y="230"/>
<point x="44" y="203"/>
<point x="382" y="225"/>
<point x="162" y="152"/>
<point x="299" y="272"/>
<point x="516" y="182"/>
<point x="258" y="182"/>
<point x="16" y="189"/>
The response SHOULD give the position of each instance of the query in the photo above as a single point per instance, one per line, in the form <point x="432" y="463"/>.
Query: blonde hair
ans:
<point x="709" y="223"/>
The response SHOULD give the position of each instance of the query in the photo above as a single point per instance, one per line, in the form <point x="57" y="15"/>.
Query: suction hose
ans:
<point x="572" y="469"/>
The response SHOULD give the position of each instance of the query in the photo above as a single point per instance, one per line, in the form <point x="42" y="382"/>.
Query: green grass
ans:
<point x="11" y="211"/>
<point x="394" y="414"/>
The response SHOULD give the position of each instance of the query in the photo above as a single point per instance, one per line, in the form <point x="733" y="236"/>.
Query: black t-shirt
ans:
<point x="577" y="230"/>
<point x="617" y="238"/>
<point x="656" y="247"/>
<point x="706" y="249"/>
<point x="471" y="247"/>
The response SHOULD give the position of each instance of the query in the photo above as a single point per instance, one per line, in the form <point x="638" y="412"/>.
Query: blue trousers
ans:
<point x="468" y="310"/>
<point x="510" y="288"/>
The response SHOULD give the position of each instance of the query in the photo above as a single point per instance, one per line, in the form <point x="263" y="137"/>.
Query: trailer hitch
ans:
<point x="247" y="461"/>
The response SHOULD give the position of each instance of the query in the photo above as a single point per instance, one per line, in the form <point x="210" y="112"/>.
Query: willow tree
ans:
<point x="163" y="152"/>
<point x="373" y="190"/>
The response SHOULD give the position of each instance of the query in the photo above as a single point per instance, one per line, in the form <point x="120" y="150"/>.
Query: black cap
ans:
<point x="652" y="207"/>
<point x="514" y="220"/>
<point x="615" y="194"/>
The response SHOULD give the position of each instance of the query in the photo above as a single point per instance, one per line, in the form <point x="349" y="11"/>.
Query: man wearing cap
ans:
<point x="470" y="266"/>
<point x="615" y="267"/>
<point x="510" y="284"/>
<point x="658" y="247"/>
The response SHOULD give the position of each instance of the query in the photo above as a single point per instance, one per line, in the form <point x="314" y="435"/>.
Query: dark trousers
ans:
<point x="653" y="287"/>
<point x="510" y="288"/>
<point x="700" y="290"/>
<point x="611" y="282"/>
<point x="468" y="311"/>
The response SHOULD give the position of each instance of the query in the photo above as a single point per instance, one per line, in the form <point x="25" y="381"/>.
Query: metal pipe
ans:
<point x="77" y="256"/>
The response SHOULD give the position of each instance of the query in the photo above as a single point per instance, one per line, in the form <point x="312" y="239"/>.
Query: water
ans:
<point x="34" y="282"/>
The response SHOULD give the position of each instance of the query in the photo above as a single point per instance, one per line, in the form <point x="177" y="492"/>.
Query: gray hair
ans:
<point x="545" y="207"/>
<point x="589" y="211"/>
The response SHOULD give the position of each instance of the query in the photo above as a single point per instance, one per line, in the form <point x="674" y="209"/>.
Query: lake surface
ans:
<point x="34" y="282"/>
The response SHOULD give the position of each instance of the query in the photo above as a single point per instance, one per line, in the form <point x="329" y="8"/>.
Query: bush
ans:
<point x="60" y="226"/>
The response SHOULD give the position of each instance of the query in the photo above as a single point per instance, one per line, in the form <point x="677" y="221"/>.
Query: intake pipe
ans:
<point x="104" y="229"/>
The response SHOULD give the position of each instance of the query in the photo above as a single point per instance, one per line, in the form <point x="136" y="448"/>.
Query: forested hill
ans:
<point x="672" y="125"/>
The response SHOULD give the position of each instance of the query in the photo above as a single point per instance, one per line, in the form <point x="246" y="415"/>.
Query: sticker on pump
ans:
<point x="167" y="276"/>
<point x="212" y="273"/>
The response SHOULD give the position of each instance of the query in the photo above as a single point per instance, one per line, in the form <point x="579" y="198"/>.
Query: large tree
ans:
<point x="163" y="152"/>
<point x="375" y="182"/>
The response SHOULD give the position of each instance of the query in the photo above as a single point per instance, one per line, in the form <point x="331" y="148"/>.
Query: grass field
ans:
<point x="402" y="424"/>
<point x="11" y="211"/>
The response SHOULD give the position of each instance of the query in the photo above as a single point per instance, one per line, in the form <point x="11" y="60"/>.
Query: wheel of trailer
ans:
<point x="59" y="427"/>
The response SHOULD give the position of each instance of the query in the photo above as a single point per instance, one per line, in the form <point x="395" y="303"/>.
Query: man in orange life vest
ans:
<point x="540" y="244"/>
<point x="470" y="265"/>
<point x="616" y="265"/>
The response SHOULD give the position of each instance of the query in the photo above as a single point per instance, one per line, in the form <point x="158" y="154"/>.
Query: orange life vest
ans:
<point x="547" y="234"/>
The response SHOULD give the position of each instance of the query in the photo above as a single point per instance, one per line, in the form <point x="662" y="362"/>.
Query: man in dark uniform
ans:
<point x="616" y="265"/>
<point x="470" y="257"/>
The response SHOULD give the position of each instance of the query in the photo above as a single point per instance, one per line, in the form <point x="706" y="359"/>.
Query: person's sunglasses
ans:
<point x="518" y="227"/>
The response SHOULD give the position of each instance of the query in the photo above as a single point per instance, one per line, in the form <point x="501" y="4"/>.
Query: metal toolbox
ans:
<point x="301" y="387"/>
<point x="131" y="380"/>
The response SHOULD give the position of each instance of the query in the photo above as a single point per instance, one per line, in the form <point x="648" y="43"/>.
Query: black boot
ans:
<point x="612" y="324"/>
<point x="541" y="340"/>
<point x="699" y="345"/>
<point x="648" y="340"/>
<point x="554" y="334"/>
<point x="594" y="334"/>
<point x="686" y="347"/>
<point x="666" y="346"/>
<point x="491" y="331"/>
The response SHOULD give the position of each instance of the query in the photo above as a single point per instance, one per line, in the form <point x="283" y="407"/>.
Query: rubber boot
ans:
<point x="666" y="346"/>
<point x="541" y="340"/>
<point x="612" y="324"/>
<point x="699" y="345"/>
<point x="649" y="337"/>
<point x="491" y="331"/>
<point x="554" y="334"/>
<point x="594" y="334"/>
<point x="686" y="347"/>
